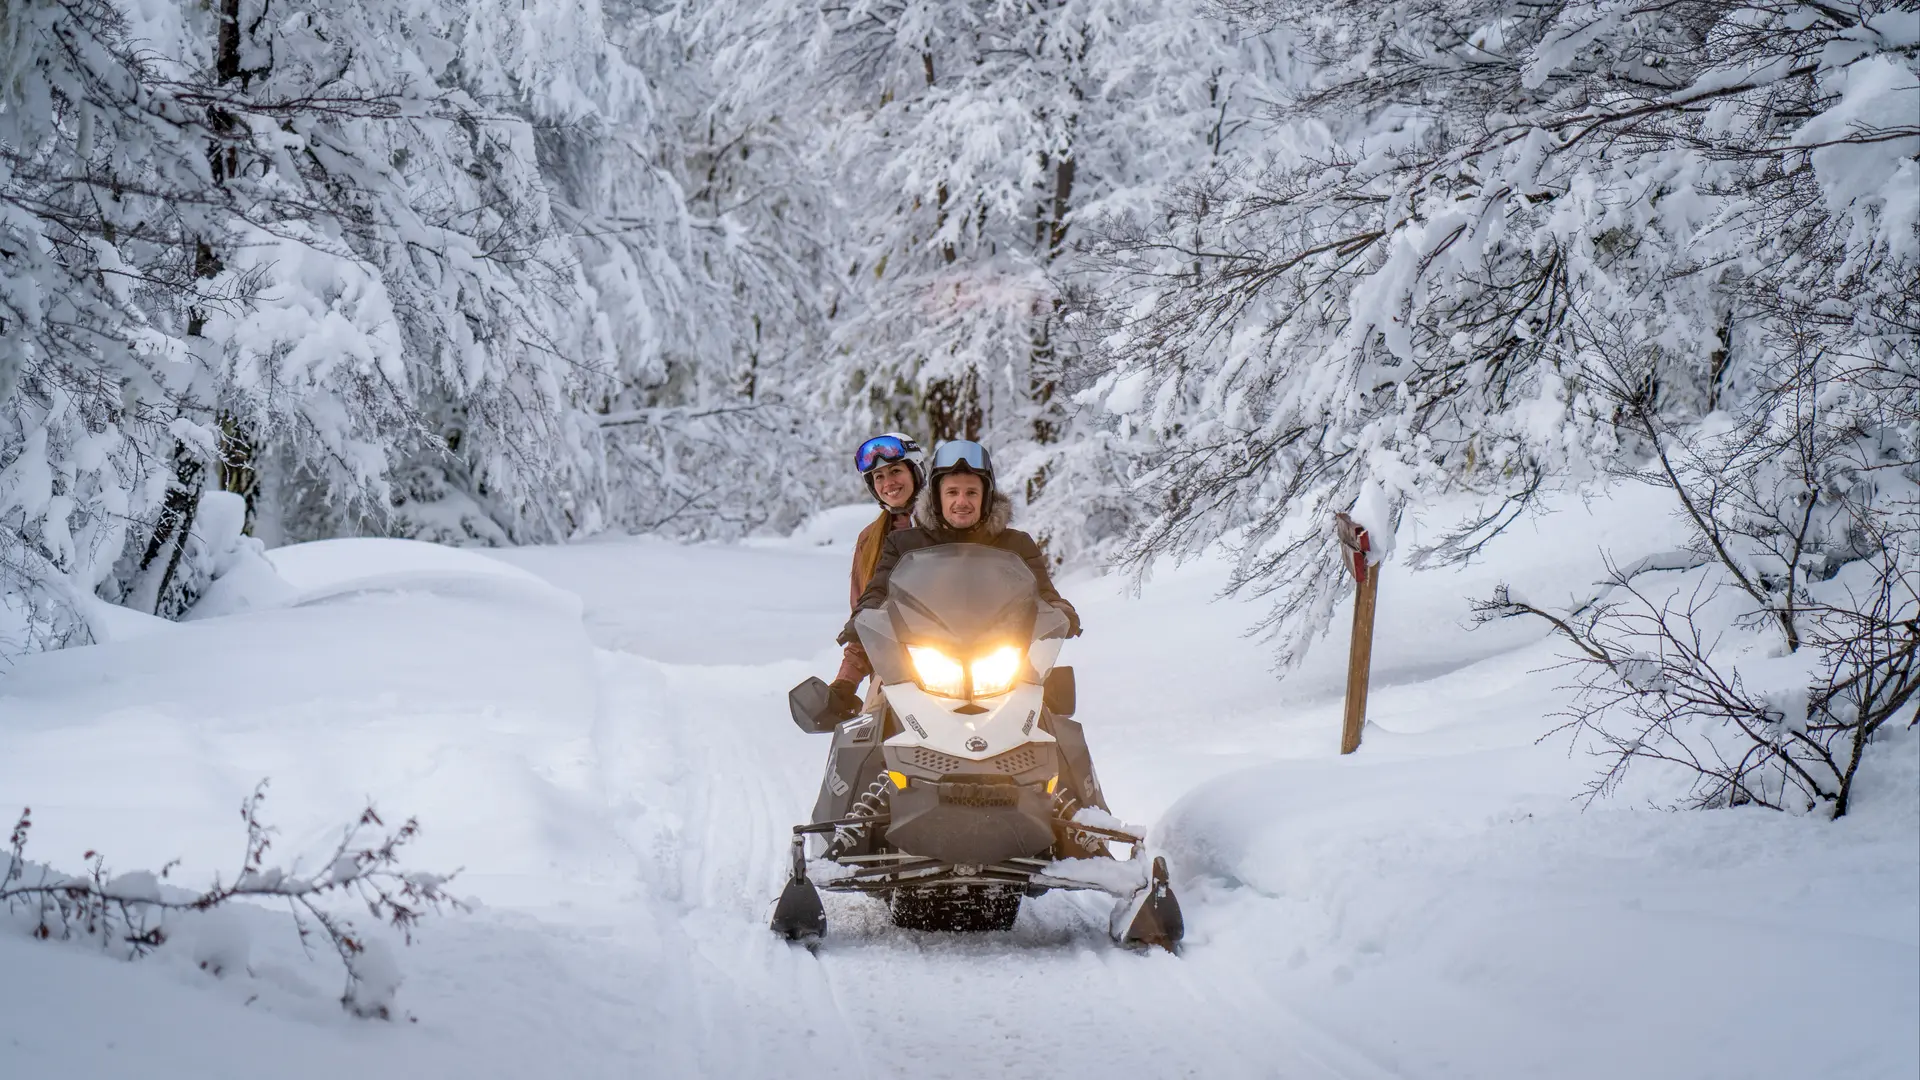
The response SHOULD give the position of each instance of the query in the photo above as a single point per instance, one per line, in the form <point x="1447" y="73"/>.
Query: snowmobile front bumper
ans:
<point x="972" y="819"/>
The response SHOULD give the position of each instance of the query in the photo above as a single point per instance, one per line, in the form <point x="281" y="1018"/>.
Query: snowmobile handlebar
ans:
<point x="811" y="704"/>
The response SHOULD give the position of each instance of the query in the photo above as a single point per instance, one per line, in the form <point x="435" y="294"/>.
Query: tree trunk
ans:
<point x="176" y="521"/>
<point x="947" y="250"/>
<point x="237" y="460"/>
<point x="1043" y="360"/>
<point x="1845" y="794"/>
<point x="953" y="408"/>
<point x="238" y="448"/>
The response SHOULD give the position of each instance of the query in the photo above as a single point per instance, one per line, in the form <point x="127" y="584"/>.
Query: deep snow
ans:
<point x="596" y="735"/>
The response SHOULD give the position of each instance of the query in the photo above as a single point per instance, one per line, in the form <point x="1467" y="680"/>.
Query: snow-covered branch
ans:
<point x="129" y="909"/>
<point x="1799" y="640"/>
<point x="1472" y="212"/>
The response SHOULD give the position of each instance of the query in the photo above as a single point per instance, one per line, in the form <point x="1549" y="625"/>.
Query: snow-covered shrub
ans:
<point x="1462" y="205"/>
<point x="1795" y="634"/>
<point x="130" y="912"/>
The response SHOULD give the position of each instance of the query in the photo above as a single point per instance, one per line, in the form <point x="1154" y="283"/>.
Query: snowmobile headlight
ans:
<point x="994" y="673"/>
<point x="938" y="673"/>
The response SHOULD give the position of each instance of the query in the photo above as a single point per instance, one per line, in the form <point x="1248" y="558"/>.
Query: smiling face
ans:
<point x="894" y="485"/>
<point x="961" y="497"/>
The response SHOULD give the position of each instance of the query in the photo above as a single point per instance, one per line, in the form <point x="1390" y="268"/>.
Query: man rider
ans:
<point x="959" y="504"/>
<point x="890" y="465"/>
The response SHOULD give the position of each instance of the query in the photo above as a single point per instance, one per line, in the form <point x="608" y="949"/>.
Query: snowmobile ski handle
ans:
<point x="1095" y="830"/>
<point x="838" y="823"/>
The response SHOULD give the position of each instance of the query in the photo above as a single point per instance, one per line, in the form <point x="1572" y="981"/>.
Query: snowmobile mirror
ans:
<point x="1059" y="694"/>
<point x="812" y="706"/>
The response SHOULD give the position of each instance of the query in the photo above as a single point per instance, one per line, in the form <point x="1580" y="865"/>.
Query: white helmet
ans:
<point x="892" y="448"/>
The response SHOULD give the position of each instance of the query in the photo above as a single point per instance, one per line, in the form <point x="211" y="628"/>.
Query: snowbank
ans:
<point x="1459" y="916"/>
<point x="437" y="683"/>
<point x="333" y="564"/>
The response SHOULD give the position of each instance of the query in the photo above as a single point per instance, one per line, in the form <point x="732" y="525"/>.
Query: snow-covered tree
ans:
<point x="969" y="147"/>
<point x="1463" y="205"/>
<point x="303" y="254"/>
<point x="145" y="237"/>
<point x="708" y="425"/>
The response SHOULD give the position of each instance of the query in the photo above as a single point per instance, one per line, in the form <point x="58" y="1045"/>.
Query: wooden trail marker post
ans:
<point x="1354" y="546"/>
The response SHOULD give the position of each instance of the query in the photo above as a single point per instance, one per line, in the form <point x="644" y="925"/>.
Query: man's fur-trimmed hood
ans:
<point x="926" y="515"/>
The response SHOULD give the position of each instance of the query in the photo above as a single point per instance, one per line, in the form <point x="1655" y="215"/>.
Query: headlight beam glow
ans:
<point x="939" y="673"/>
<point x="942" y="675"/>
<point x="994" y="673"/>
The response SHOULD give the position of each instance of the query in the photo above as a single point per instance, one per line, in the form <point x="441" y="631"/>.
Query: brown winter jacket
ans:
<point x="854" y="664"/>
<point x="928" y="530"/>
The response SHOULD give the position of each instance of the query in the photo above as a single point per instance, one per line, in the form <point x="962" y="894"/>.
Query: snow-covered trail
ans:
<point x="596" y="734"/>
<point x="709" y="829"/>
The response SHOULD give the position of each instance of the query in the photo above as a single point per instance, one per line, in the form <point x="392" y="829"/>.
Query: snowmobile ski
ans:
<point x="798" y="915"/>
<point x="1152" y="918"/>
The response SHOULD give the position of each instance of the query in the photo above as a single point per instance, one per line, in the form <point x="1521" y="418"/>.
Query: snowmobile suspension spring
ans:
<point x="1064" y="805"/>
<point x="869" y="804"/>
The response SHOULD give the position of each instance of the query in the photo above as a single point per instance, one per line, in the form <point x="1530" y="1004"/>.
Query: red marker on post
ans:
<point x="1354" y="546"/>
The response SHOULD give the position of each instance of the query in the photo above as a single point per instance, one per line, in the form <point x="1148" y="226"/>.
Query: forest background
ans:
<point x="503" y="273"/>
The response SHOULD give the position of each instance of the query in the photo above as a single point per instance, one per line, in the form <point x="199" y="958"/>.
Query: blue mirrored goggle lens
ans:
<point x="959" y="450"/>
<point x="879" y="449"/>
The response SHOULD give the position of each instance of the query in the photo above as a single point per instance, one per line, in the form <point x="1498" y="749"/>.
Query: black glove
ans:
<point x="842" y="699"/>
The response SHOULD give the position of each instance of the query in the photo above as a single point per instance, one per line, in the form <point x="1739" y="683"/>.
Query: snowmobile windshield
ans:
<point x="961" y="598"/>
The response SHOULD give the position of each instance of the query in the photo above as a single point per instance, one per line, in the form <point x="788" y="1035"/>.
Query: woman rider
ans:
<point x="890" y="465"/>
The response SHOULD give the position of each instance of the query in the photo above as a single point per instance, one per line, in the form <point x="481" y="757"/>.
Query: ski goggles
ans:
<point x="962" y="452"/>
<point x="882" y="450"/>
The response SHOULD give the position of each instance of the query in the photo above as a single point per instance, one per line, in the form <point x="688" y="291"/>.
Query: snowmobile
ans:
<point x="970" y="786"/>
